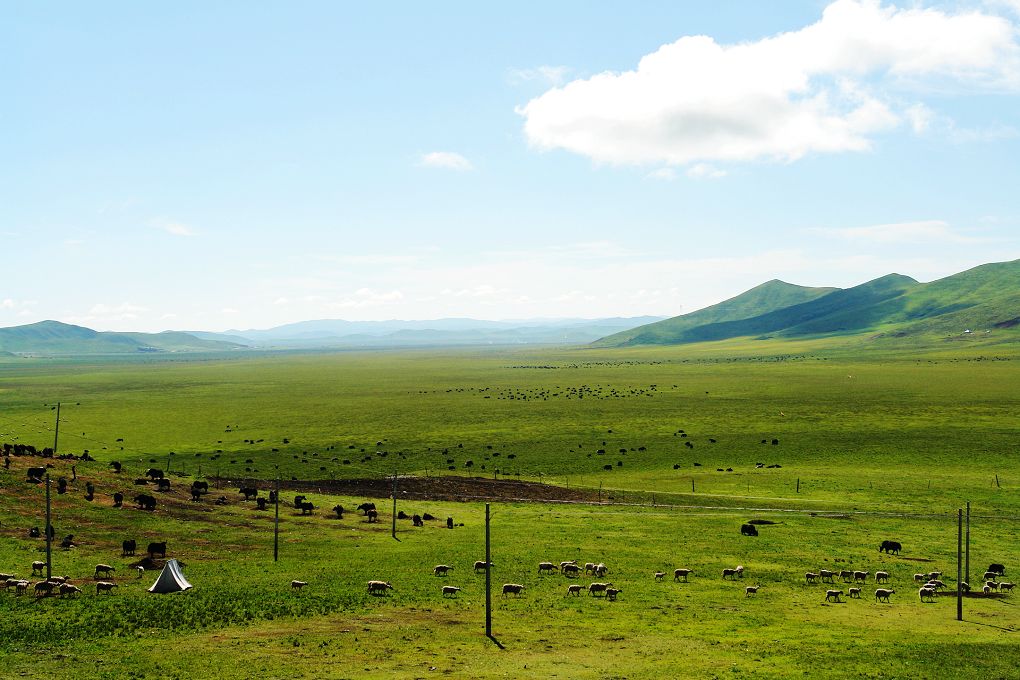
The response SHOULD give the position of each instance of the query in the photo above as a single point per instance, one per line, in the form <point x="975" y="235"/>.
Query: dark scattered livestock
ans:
<point x="417" y="521"/>
<point x="157" y="548"/>
<point x="249" y="492"/>
<point x="163" y="484"/>
<point x="998" y="569"/>
<point x="128" y="547"/>
<point x="373" y="515"/>
<point x="118" y="499"/>
<point x="261" y="502"/>
<point x="365" y="507"/>
<point x="154" y="473"/>
<point x="748" y="530"/>
<point x="145" y="502"/>
<point x="339" y="510"/>
<point x="306" y="507"/>
<point x="202" y="487"/>
<point x="890" y="547"/>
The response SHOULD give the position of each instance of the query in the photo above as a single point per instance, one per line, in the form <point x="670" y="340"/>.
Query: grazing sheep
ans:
<point x="659" y="575"/>
<point x="1007" y="586"/>
<point x="682" y="574"/>
<point x="574" y="589"/>
<point x="59" y="579"/>
<point x="737" y="571"/>
<point x="825" y="575"/>
<point x="4" y="577"/>
<point x="450" y="590"/>
<point x="927" y="594"/>
<point x="990" y="575"/>
<point x="861" y="576"/>
<point x="38" y="567"/>
<point x="845" y="575"/>
<point x="570" y="570"/>
<point x="44" y="588"/>
<point x="105" y="587"/>
<point x="141" y="571"/>
<point x="546" y="567"/>
<point x="751" y="590"/>
<point x="882" y="594"/>
<point x="69" y="590"/>
<point x="810" y="577"/>
<point x="934" y="575"/>
<point x="21" y="587"/>
<point x="105" y="568"/>
<point x="298" y="585"/>
<point x="566" y="563"/>
<point x="482" y="565"/>
<point x="992" y="585"/>
<point x="611" y="593"/>
<point x="937" y="583"/>
<point x="589" y="567"/>
<point x="441" y="569"/>
<point x="598" y="588"/>
<point x="833" y="595"/>
<point x="881" y="577"/>
<point x="854" y="593"/>
<point x="964" y="586"/>
<point x="986" y="590"/>
<point x="372" y="514"/>
<point x="600" y="569"/>
<point x="920" y="578"/>
<point x="9" y="582"/>
<point x="379" y="586"/>
<point x="514" y="588"/>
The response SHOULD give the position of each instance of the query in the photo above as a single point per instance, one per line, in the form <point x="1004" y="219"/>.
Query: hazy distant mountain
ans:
<point x="326" y="333"/>
<point x="51" y="338"/>
<point x="984" y="299"/>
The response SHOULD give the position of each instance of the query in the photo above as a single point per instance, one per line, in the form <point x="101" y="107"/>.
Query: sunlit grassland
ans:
<point x="868" y="436"/>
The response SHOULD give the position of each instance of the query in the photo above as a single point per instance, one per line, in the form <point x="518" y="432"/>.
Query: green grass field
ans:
<point x="883" y="446"/>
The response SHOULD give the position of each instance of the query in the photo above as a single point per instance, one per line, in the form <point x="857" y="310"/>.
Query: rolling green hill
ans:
<point x="773" y="295"/>
<point x="984" y="300"/>
<point x="54" y="338"/>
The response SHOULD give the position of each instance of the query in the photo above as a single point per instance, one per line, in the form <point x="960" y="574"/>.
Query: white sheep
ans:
<point x="861" y="576"/>
<point x="570" y="570"/>
<point x="450" y="590"/>
<point x="738" y="571"/>
<point x="379" y="586"/>
<point x="481" y="565"/>
<point x="659" y="575"/>
<point x="927" y="593"/>
<point x="993" y="585"/>
<point x="598" y="588"/>
<point x="589" y="567"/>
<point x="825" y="575"/>
<point x="845" y="575"/>
<point x="574" y="589"/>
<point x="566" y="562"/>
<point x="986" y="590"/>
<point x="833" y="595"/>
<point x="882" y="594"/>
<point x="512" y="588"/>
<point x="881" y="577"/>
<point x="105" y="587"/>
<point x="810" y="577"/>
<point x="1006" y="585"/>
<point x="441" y="569"/>
<point x="69" y="590"/>
<point x="21" y="587"/>
<point x="105" y="568"/>
<point x="611" y="593"/>
<point x="38" y="567"/>
<point x="990" y="575"/>
<point x="546" y="567"/>
<point x="854" y="593"/>
<point x="600" y="569"/>
<point x="751" y="590"/>
<point x="298" y="585"/>
<point x="920" y="578"/>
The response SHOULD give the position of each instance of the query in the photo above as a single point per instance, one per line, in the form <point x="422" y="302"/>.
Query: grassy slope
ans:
<point x="54" y="338"/>
<point x="759" y="300"/>
<point x="854" y="442"/>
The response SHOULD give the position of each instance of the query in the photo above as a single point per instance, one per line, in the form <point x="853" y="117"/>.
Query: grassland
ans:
<point x="884" y="446"/>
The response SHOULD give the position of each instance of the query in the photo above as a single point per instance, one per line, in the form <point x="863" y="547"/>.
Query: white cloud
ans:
<point x="705" y="171"/>
<point x="547" y="75"/>
<point x="664" y="174"/>
<point x="921" y="232"/>
<point x="822" y="89"/>
<point x="7" y="303"/>
<point x="447" y="160"/>
<point x="173" y="227"/>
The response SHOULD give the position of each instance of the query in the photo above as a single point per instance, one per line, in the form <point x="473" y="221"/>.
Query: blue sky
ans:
<point x="238" y="165"/>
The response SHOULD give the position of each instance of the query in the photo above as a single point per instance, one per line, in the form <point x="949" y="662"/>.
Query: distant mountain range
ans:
<point x="984" y="300"/>
<point x="53" y="338"/>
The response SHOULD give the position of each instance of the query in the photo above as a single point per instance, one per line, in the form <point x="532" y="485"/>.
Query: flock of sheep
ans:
<point x="931" y="582"/>
<point x="58" y="585"/>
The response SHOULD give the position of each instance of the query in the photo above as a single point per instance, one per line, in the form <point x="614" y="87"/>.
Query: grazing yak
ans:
<point x="365" y="507"/>
<point x="339" y="510"/>
<point x="249" y="492"/>
<point x="306" y="507"/>
<point x="128" y="547"/>
<point x="748" y="530"/>
<point x="118" y="499"/>
<point x="145" y="502"/>
<point x="154" y="474"/>
<point x="202" y="487"/>
<point x="157" y="548"/>
<point x="890" y="547"/>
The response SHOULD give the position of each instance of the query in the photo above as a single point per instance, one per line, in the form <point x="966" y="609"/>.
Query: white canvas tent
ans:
<point x="171" y="579"/>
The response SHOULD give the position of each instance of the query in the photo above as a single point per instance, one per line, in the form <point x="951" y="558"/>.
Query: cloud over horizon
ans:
<point x="829" y="87"/>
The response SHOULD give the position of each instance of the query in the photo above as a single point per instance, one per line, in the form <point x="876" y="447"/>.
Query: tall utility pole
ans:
<point x="488" y="577"/>
<point x="967" y="546"/>
<point x="959" y="564"/>
<point x="394" y="504"/>
<point x="56" y="430"/>
<point x="49" y="531"/>
<point x="276" y="524"/>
